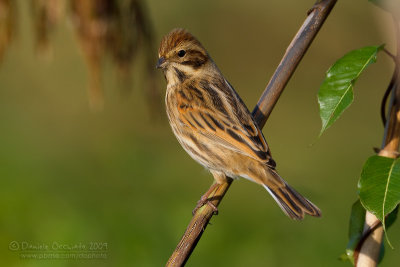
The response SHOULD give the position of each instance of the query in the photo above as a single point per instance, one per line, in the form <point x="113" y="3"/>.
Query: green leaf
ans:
<point x="336" y="92"/>
<point x="379" y="186"/>
<point x="356" y="227"/>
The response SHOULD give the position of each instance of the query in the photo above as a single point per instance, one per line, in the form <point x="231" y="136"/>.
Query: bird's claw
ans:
<point x="202" y="202"/>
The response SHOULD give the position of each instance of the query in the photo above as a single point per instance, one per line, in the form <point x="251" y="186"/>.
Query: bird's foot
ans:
<point x="201" y="203"/>
<point x="204" y="200"/>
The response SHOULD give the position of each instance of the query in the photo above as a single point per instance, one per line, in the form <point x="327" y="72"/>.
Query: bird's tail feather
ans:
<point x="291" y="202"/>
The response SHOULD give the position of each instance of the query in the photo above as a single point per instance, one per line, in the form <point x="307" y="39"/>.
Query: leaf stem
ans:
<point x="390" y="54"/>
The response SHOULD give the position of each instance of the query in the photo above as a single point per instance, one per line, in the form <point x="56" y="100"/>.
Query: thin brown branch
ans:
<point x="294" y="53"/>
<point x="197" y="226"/>
<point x="389" y="54"/>
<point x="386" y="96"/>
<point x="367" y="252"/>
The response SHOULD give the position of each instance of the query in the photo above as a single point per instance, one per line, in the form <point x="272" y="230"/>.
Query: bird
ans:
<point x="214" y="126"/>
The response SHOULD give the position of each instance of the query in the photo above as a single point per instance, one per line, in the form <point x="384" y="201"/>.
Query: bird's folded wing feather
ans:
<point x="236" y="131"/>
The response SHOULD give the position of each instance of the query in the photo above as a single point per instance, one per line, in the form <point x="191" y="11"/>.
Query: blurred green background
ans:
<point x="116" y="174"/>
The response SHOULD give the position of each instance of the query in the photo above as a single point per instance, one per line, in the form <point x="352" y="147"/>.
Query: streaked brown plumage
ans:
<point x="213" y="124"/>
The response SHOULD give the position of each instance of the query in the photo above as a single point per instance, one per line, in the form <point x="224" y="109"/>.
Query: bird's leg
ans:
<point x="220" y="178"/>
<point x="205" y="200"/>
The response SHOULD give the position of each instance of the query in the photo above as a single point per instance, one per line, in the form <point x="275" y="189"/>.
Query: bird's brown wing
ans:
<point x="221" y="116"/>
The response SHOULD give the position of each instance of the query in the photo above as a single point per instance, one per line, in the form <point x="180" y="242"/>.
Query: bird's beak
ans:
<point x="160" y="63"/>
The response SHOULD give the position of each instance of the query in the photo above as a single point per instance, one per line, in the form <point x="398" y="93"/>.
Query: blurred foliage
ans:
<point x="46" y="14"/>
<point x="104" y="28"/>
<point x="70" y="175"/>
<point x="115" y="28"/>
<point x="8" y="17"/>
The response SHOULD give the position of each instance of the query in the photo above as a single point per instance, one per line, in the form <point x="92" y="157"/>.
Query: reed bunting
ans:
<point x="214" y="126"/>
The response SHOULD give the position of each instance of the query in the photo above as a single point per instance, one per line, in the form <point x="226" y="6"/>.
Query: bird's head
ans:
<point x="180" y="50"/>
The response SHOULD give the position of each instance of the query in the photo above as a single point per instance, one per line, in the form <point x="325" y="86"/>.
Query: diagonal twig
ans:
<point x="294" y="53"/>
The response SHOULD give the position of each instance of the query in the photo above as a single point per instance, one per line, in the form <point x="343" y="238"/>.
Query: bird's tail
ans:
<point x="292" y="203"/>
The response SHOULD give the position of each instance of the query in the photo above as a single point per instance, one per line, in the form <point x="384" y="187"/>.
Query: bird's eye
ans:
<point x="181" y="53"/>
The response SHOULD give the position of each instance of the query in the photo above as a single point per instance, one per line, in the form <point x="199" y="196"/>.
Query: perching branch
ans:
<point x="368" y="250"/>
<point x="294" y="53"/>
